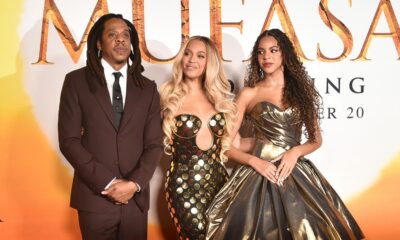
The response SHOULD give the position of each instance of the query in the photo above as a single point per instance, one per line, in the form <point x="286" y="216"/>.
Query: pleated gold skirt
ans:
<point x="305" y="207"/>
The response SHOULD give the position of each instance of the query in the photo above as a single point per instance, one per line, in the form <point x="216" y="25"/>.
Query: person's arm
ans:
<point x="125" y="189"/>
<point x="152" y="144"/>
<point x="263" y="167"/>
<point x="93" y="173"/>
<point x="243" y="144"/>
<point x="290" y="157"/>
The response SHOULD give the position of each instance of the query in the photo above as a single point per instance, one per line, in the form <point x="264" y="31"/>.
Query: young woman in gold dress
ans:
<point x="277" y="193"/>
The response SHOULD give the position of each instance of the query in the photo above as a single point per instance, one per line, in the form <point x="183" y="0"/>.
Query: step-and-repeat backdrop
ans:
<point x="350" y="47"/>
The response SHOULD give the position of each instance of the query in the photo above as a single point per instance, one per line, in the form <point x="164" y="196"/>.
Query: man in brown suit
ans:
<point x="110" y="131"/>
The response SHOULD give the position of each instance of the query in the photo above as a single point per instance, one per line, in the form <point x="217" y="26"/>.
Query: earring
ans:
<point x="260" y="73"/>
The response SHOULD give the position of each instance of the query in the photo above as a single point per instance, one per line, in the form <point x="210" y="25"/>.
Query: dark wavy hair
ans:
<point x="93" y="54"/>
<point x="299" y="91"/>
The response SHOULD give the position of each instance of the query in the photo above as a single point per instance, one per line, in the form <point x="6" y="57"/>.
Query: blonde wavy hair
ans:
<point x="216" y="88"/>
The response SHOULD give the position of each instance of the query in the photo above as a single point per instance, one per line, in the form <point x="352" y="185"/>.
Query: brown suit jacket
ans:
<point x="97" y="150"/>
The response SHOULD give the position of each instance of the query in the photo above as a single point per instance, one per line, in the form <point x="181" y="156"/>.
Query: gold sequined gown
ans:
<point x="305" y="207"/>
<point x="195" y="176"/>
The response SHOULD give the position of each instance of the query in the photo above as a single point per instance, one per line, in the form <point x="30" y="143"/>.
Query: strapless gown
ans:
<point x="305" y="207"/>
<point x="195" y="175"/>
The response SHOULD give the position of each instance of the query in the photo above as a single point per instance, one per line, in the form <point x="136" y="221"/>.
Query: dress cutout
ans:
<point x="194" y="176"/>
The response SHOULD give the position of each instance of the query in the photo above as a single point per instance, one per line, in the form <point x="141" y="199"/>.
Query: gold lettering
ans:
<point x="216" y="25"/>
<point x="52" y="13"/>
<point x="279" y="7"/>
<point x="185" y="20"/>
<point x="138" y="20"/>
<point x="339" y="28"/>
<point x="386" y="8"/>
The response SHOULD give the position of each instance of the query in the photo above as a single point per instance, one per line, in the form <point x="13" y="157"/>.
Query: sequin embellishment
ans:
<point x="194" y="176"/>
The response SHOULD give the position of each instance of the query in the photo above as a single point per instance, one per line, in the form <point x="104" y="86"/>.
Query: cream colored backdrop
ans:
<point x="360" y="120"/>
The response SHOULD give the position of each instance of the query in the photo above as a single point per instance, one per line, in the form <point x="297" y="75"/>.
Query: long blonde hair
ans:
<point x="215" y="85"/>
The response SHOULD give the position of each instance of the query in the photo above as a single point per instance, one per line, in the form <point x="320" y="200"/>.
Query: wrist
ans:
<point x="297" y="152"/>
<point x="252" y="160"/>
<point x="136" y="186"/>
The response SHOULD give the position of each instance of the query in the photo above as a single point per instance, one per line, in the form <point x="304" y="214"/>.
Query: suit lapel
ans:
<point x="133" y="95"/>
<point x="103" y="98"/>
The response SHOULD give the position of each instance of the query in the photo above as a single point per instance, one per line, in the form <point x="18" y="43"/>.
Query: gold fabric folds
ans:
<point x="305" y="207"/>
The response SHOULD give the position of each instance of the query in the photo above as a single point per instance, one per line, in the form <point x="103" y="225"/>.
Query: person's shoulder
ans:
<point x="77" y="73"/>
<point x="247" y="92"/>
<point x="148" y="83"/>
<point x="77" y="78"/>
<point x="245" y="96"/>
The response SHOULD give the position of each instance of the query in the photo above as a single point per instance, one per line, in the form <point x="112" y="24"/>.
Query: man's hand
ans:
<point x="121" y="191"/>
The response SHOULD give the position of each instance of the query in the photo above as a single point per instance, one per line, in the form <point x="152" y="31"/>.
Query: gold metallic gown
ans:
<point x="305" y="207"/>
<point x="195" y="176"/>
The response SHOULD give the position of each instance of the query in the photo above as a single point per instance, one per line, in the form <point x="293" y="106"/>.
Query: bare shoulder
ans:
<point x="244" y="98"/>
<point x="246" y="94"/>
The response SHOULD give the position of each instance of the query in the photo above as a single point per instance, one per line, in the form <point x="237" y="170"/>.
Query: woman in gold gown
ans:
<point x="198" y="116"/>
<point x="276" y="193"/>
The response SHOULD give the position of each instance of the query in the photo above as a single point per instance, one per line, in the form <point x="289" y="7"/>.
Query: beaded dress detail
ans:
<point x="195" y="176"/>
